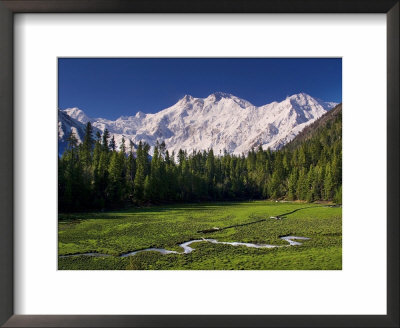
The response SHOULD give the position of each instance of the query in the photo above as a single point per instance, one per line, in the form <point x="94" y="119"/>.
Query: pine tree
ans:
<point x="115" y="180"/>
<point x="311" y="185"/>
<point x="155" y="178"/>
<point x="328" y="183"/>
<point x="88" y="140"/>
<point x="210" y="172"/>
<point x="275" y="185"/>
<point x="141" y="171"/>
<point x="130" y="173"/>
<point x="112" y="144"/>
<point x="106" y="136"/>
<point x="338" y="195"/>
<point x="292" y="185"/>
<point x="123" y="146"/>
<point x="74" y="189"/>
<point x="302" y="185"/>
<point x="147" y="189"/>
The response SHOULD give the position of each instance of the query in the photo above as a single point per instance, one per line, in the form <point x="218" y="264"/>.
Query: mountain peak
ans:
<point x="186" y="98"/>
<point x="304" y="99"/>
<point x="223" y="94"/>
<point x="77" y="114"/>
<point x="300" y="96"/>
<point x="140" y="115"/>
<point x="216" y="96"/>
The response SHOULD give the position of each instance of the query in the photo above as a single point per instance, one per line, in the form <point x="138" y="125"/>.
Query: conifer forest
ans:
<point x="94" y="175"/>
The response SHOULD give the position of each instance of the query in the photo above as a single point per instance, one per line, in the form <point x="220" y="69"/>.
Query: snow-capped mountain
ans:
<point x="221" y="121"/>
<point x="77" y="114"/>
<point x="68" y="124"/>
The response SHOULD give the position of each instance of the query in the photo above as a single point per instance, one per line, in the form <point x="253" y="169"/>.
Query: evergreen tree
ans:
<point x="115" y="186"/>
<point x="123" y="146"/>
<point x="87" y="145"/>
<point x="130" y="173"/>
<point x="140" y="175"/>
<point x="112" y="144"/>
<point x="328" y="183"/>
<point x="292" y="185"/>
<point x="106" y="136"/>
<point x="73" y="190"/>
<point x="302" y="184"/>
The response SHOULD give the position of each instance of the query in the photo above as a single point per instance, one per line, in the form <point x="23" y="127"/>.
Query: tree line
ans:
<point x="94" y="175"/>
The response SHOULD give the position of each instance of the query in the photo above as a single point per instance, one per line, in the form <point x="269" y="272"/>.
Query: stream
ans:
<point x="187" y="249"/>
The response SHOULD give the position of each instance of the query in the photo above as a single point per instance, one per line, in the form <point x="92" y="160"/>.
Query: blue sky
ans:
<point x="112" y="87"/>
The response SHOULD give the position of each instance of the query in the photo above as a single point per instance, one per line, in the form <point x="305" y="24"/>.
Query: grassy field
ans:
<point x="116" y="233"/>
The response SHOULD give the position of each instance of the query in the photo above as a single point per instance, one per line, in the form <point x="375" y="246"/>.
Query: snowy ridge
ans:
<point x="68" y="124"/>
<point x="220" y="121"/>
<point x="77" y="114"/>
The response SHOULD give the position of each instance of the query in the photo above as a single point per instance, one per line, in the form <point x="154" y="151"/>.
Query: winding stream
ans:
<point x="186" y="245"/>
<point x="187" y="249"/>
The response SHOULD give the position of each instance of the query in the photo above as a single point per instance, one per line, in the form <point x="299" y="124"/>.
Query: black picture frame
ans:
<point x="10" y="7"/>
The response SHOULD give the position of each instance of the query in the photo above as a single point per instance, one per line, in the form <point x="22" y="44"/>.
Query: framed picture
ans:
<point x="201" y="180"/>
<point x="199" y="163"/>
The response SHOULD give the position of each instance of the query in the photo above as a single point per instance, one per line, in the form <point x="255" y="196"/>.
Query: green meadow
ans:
<point x="119" y="232"/>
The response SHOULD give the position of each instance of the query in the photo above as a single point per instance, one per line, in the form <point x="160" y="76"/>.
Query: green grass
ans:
<point x="120" y="232"/>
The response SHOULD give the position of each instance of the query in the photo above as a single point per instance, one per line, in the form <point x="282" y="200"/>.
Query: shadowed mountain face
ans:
<point x="220" y="121"/>
<point x="318" y="125"/>
<point x="66" y="125"/>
